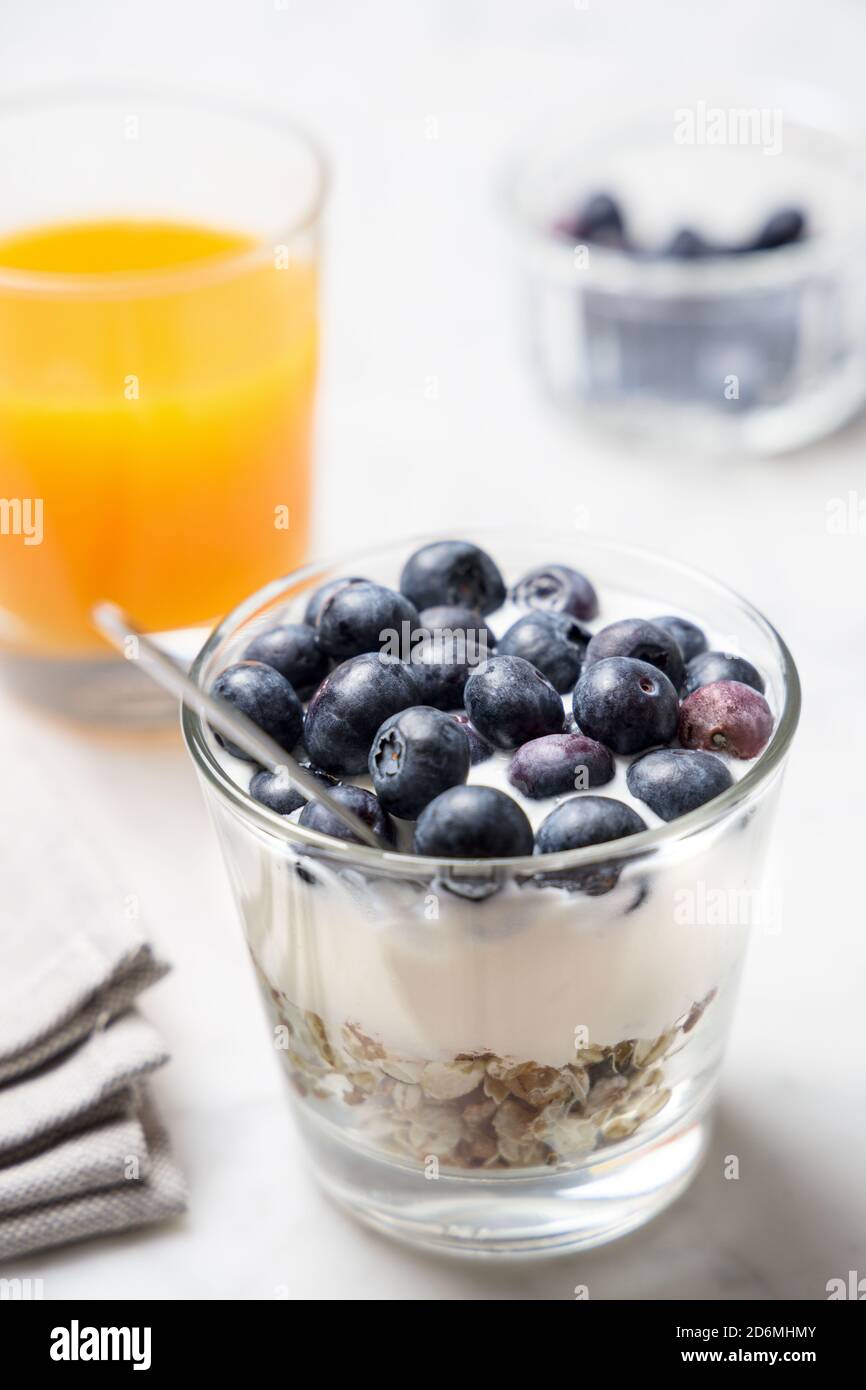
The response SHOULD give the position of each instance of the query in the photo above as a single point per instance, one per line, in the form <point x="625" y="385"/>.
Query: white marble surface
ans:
<point x="428" y="418"/>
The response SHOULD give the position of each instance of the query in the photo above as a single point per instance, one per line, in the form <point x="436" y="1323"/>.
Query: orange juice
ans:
<point x="156" y="390"/>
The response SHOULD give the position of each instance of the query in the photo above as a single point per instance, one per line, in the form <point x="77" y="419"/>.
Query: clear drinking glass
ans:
<point x="158" y="350"/>
<point x="480" y="1058"/>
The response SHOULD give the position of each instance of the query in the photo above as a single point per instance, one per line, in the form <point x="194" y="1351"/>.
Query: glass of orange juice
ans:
<point x="158" y="347"/>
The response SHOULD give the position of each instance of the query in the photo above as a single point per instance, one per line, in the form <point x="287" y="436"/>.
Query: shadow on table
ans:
<point x="761" y="1236"/>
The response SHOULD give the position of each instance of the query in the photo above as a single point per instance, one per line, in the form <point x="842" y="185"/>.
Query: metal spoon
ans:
<point x="118" y="628"/>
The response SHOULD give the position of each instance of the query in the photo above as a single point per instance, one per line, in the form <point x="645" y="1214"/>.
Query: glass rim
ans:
<point x="755" y="269"/>
<point x="157" y="279"/>
<point x="423" y="866"/>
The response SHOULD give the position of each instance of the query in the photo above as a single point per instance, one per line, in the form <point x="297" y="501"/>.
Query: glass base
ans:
<point x="544" y="1213"/>
<point x="772" y="429"/>
<point x="107" y="691"/>
<point x="100" y="689"/>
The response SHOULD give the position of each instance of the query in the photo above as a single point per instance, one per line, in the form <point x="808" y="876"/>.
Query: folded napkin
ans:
<point x="81" y="1150"/>
<point x="72" y="1191"/>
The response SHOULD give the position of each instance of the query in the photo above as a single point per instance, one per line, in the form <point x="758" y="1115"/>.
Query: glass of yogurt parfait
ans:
<point x="503" y="1029"/>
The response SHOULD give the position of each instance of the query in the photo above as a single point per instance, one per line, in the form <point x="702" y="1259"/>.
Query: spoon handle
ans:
<point x="118" y="628"/>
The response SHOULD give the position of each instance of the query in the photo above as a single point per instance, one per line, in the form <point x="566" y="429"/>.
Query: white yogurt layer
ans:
<point x="516" y="975"/>
<point x="432" y="975"/>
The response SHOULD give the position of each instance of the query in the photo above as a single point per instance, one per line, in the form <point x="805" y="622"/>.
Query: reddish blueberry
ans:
<point x="726" y="717"/>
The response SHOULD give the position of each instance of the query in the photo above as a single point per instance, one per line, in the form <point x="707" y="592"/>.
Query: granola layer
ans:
<point x="480" y="1110"/>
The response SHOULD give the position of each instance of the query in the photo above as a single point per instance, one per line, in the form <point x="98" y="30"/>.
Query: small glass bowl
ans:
<point x="757" y="350"/>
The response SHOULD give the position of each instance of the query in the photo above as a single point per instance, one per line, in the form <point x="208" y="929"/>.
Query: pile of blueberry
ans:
<point x="599" y="221"/>
<point x="416" y="721"/>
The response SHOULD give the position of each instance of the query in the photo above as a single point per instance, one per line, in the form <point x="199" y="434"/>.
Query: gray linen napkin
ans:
<point x="81" y="1150"/>
<point x="60" y="1096"/>
<point x="88" y="1161"/>
<point x="76" y="1190"/>
<point x="74" y="950"/>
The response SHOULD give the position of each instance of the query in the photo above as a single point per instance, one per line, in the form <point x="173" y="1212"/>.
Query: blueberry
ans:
<point x="674" y="781"/>
<point x="441" y="664"/>
<point x="349" y="706"/>
<point x="315" y="816"/>
<point x="553" y="642"/>
<point x="626" y="704"/>
<point x="417" y="754"/>
<point x="479" y="749"/>
<point x="689" y="245"/>
<point x="473" y="823"/>
<point x="688" y="636"/>
<point x="726" y="717"/>
<point x="452" y="573"/>
<point x="293" y="649"/>
<point x="277" y="791"/>
<point x="320" y="596"/>
<point x="582" y="821"/>
<point x="560" y="763"/>
<point x="557" y="589"/>
<point x="266" y="698"/>
<point x="509" y="702"/>
<point x="785" y="226"/>
<point x="707" y="667"/>
<point x="641" y="640"/>
<point x="455" y="641"/>
<point x="597" y="220"/>
<point x="365" y="617"/>
<point x="586" y="820"/>
<point x="466" y="628"/>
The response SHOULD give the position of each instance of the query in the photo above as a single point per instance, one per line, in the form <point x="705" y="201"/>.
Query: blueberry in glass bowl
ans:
<point x="533" y="979"/>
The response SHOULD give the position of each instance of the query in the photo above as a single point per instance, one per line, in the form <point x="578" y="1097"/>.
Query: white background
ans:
<point x="419" y="286"/>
